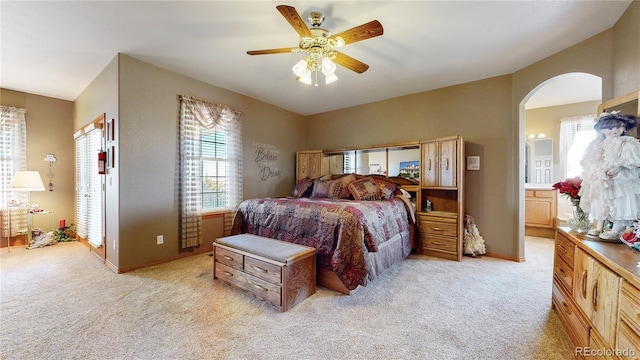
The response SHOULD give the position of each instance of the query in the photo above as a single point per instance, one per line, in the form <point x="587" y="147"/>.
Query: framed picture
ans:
<point x="111" y="157"/>
<point x="410" y="169"/>
<point x="111" y="130"/>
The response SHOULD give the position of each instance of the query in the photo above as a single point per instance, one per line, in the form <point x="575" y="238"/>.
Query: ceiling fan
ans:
<point x="319" y="46"/>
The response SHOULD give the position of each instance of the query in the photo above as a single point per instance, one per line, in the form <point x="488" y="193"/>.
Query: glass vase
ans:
<point x="581" y="222"/>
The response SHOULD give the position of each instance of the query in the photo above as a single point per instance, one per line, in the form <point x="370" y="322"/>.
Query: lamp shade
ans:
<point x="26" y="181"/>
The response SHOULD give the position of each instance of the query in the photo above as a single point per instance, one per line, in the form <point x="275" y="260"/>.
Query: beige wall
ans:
<point x="148" y="166"/>
<point x="626" y="52"/>
<point x="49" y="130"/>
<point x="484" y="122"/>
<point x="101" y="97"/>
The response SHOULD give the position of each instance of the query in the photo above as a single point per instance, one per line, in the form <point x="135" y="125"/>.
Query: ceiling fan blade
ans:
<point x="362" y="32"/>
<point x="271" y="51"/>
<point x="292" y="16"/>
<point x="350" y="63"/>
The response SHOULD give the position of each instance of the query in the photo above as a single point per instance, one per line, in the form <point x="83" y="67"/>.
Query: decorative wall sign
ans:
<point x="266" y="158"/>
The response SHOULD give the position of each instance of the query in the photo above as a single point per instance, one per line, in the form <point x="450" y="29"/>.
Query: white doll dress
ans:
<point x="611" y="198"/>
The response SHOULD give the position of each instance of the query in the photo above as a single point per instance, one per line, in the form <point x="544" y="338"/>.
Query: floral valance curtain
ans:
<point x="197" y="116"/>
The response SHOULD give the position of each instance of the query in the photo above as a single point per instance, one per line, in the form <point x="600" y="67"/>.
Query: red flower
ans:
<point x="569" y="187"/>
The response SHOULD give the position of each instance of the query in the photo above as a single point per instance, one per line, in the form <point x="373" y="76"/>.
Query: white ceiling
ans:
<point x="57" y="48"/>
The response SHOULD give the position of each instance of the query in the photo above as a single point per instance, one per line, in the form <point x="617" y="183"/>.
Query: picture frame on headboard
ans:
<point x="410" y="169"/>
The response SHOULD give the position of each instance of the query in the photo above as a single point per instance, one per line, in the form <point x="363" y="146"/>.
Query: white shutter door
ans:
<point x="94" y="189"/>
<point x="89" y="195"/>
<point x="81" y="189"/>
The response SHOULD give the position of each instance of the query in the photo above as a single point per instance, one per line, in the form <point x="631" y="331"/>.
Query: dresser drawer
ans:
<point x="565" y="248"/>
<point x="263" y="270"/>
<point x="439" y="228"/>
<point x="630" y="307"/>
<point x="438" y="217"/>
<point x="438" y="243"/>
<point x="563" y="272"/>
<point x="577" y="327"/>
<point x="229" y="258"/>
<point x="260" y="288"/>
<point x="628" y="341"/>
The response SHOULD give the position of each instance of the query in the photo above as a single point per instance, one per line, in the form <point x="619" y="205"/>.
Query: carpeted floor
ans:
<point x="60" y="302"/>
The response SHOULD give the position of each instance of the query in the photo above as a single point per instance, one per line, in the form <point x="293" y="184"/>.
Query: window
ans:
<point x="13" y="157"/>
<point x="13" y="150"/>
<point x="576" y="133"/>
<point x="213" y="146"/>
<point x="210" y="155"/>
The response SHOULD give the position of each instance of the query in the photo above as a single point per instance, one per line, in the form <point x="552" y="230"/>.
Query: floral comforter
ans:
<point x="341" y="230"/>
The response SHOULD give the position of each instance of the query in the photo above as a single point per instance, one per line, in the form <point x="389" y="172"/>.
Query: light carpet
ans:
<point x="61" y="302"/>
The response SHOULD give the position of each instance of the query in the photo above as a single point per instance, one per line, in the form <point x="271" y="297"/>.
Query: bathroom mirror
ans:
<point x="539" y="161"/>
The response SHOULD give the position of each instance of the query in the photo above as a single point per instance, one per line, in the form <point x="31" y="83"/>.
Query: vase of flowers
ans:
<point x="581" y="221"/>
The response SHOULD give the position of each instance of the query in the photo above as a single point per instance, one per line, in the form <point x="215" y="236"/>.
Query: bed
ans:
<point x="358" y="232"/>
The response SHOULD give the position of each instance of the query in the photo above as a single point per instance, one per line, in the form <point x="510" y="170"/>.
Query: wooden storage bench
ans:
<point x="279" y="272"/>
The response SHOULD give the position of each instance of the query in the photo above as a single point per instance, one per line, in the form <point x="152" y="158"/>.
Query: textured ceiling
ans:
<point x="56" y="48"/>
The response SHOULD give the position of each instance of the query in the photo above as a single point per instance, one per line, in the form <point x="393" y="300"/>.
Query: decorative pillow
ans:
<point x="303" y="188"/>
<point x="387" y="188"/>
<point x="320" y="188"/>
<point x="339" y="188"/>
<point x="365" y="189"/>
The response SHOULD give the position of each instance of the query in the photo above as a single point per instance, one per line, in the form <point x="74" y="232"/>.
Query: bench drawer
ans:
<point x="258" y="287"/>
<point x="229" y="258"/>
<point x="263" y="270"/>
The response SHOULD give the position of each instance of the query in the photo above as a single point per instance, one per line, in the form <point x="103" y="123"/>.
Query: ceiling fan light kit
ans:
<point x="319" y="46"/>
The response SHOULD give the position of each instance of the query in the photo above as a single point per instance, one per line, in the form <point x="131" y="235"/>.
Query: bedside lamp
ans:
<point x="25" y="181"/>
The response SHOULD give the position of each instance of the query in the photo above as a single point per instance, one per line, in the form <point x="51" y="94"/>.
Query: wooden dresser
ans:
<point x="596" y="294"/>
<point x="279" y="272"/>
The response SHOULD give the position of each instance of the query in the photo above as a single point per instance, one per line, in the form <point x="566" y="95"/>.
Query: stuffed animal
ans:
<point x="473" y="241"/>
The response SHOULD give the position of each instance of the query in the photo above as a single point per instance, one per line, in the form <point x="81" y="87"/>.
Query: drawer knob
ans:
<point x="437" y="243"/>
<point x="228" y="273"/>
<point x="228" y="257"/>
<point x="436" y="229"/>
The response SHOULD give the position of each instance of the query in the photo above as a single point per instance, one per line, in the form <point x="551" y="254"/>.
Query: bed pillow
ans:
<point x="365" y="189"/>
<point x="320" y="188"/>
<point x="387" y="188"/>
<point x="339" y="188"/>
<point x="303" y="188"/>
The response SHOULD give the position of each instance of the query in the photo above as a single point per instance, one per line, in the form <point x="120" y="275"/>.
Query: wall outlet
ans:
<point x="114" y="244"/>
<point x="160" y="239"/>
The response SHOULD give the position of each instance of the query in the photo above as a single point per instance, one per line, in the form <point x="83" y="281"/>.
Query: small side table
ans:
<point x="30" y="223"/>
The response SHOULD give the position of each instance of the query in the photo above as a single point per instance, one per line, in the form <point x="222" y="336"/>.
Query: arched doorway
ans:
<point x="566" y="95"/>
